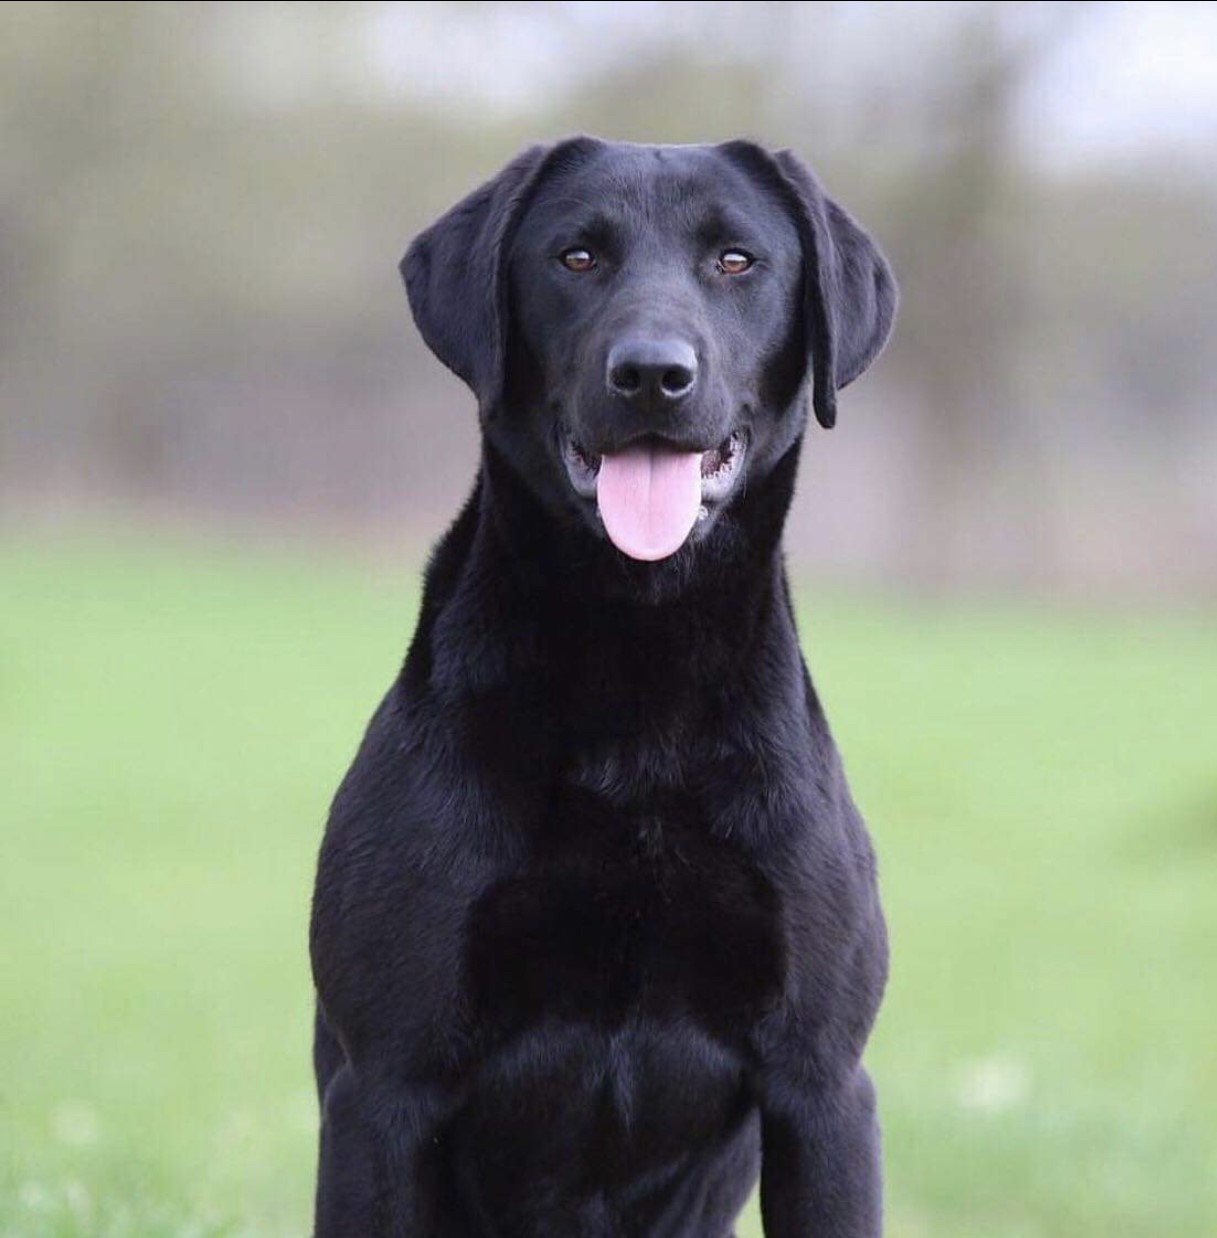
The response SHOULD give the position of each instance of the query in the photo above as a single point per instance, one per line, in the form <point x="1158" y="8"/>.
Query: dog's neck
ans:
<point x="623" y="645"/>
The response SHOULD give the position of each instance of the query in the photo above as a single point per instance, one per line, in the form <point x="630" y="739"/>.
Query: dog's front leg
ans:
<point x="820" y="1170"/>
<point x="377" y="1172"/>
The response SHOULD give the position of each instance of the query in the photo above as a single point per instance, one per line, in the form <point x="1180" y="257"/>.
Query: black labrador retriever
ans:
<point x="596" y="935"/>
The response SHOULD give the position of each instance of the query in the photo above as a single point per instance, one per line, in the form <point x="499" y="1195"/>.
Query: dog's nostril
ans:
<point x="626" y="379"/>
<point x="676" y="380"/>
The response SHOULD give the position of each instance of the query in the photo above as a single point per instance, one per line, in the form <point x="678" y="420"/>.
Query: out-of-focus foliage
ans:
<point x="202" y="205"/>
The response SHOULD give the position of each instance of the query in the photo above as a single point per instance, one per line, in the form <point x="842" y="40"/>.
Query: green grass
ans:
<point x="1042" y="789"/>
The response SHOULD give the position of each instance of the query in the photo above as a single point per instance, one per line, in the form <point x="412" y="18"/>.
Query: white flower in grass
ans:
<point x="34" y="1197"/>
<point x="78" y="1199"/>
<point x="75" y="1124"/>
<point x="992" y="1084"/>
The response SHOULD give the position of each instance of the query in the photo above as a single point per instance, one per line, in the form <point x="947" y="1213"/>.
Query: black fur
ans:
<point x="596" y="935"/>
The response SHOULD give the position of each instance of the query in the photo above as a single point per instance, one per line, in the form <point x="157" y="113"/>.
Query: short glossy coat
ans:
<point x="596" y="935"/>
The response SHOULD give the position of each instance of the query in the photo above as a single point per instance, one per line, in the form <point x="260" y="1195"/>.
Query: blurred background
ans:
<point x="224" y="452"/>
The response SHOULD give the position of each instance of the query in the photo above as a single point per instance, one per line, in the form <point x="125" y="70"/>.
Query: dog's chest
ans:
<point x="618" y="915"/>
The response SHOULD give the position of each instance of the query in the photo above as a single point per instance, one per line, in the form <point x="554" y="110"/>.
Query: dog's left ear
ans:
<point x="850" y="294"/>
<point x="455" y="273"/>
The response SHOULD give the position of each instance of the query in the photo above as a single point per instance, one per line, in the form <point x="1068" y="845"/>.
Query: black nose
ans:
<point x="652" y="373"/>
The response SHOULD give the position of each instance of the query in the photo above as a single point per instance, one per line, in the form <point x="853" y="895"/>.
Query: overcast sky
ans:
<point x="1129" y="76"/>
<point x="1134" y="74"/>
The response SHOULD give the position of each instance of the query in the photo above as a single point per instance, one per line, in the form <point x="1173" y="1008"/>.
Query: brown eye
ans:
<point x="579" y="260"/>
<point x="734" y="261"/>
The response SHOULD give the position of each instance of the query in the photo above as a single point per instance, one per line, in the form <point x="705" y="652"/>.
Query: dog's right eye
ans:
<point x="579" y="260"/>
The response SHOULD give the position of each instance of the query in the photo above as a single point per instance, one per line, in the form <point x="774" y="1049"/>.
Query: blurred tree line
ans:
<point x="202" y="207"/>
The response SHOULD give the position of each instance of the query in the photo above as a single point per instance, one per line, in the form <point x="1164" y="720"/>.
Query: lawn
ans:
<point x="1041" y="785"/>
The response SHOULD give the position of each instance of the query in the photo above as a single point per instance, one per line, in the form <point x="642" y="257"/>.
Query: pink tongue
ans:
<point x="649" y="497"/>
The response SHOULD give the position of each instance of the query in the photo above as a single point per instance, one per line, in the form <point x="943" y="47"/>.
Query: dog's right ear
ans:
<point x="851" y="298"/>
<point x="455" y="272"/>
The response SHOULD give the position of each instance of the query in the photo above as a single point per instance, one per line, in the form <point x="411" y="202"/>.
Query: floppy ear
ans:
<point x="456" y="278"/>
<point x="849" y="292"/>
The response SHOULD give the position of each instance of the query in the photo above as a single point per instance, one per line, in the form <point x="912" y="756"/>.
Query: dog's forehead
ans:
<point x="655" y="186"/>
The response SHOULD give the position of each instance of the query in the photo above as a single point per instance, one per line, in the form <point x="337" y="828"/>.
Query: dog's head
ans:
<point x="640" y="325"/>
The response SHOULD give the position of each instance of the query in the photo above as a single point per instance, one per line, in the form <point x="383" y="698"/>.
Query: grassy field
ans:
<point x="1042" y="789"/>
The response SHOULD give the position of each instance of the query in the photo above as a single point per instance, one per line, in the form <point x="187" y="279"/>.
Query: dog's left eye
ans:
<point x="579" y="260"/>
<point x="734" y="261"/>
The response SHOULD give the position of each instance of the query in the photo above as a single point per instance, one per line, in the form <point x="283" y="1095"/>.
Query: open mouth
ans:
<point x="718" y="466"/>
<point x="652" y="493"/>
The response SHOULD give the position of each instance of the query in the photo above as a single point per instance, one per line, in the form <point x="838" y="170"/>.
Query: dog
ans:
<point x="596" y="935"/>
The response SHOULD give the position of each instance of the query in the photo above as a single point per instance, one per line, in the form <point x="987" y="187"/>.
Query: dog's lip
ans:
<point x="720" y="465"/>
<point x="582" y="467"/>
